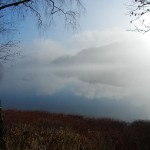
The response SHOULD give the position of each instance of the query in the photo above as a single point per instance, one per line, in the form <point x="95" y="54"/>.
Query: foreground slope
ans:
<point x="34" y="130"/>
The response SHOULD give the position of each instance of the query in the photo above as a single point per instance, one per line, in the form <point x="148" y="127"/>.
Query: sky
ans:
<point x="98" y="15"/>
<point x="99" y="70"/>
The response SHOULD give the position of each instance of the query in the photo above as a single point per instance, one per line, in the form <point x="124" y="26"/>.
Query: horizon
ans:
<point x="99" y="70"/>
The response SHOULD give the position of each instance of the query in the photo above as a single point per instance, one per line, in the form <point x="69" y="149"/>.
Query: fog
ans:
<point x="109" y="80"/>
<point x="1" y="71"/>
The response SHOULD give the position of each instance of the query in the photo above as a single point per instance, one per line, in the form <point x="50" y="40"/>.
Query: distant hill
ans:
<point x="96" y="56"/>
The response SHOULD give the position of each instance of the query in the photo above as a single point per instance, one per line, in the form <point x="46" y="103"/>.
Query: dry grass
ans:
<point x="45" y="131"/>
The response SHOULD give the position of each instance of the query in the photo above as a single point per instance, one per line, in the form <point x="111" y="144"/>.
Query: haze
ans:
<point x="101" y="71"/>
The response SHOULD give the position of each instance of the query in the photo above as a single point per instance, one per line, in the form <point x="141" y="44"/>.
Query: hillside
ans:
<point x="99" y="56"/>
<point x="35" y="130"/>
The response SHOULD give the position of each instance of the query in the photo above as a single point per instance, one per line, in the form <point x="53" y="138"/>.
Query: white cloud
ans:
<point x="96" y="38"/>
<point x="113" y="71"/>
<point x="92" y="90"/>
<point x="43" y="51"/>
<point x="1" y="71"/>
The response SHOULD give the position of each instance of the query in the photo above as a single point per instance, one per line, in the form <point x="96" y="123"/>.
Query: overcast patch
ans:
<point x="1" y="71"/>
<point x="97" y="38"/>
<point x="117" y="71"/>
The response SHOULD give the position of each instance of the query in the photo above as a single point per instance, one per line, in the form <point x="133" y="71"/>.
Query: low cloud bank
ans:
<point x="1" y="71"/>
<point x="117" y="68"/>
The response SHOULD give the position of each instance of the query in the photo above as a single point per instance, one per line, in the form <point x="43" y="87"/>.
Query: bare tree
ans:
<point x="43" y="11"/>
<point x="139" y="10"/>
<point x="5" y="41"/>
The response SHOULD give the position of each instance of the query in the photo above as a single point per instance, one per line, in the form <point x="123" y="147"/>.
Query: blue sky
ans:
<point x="99" y="15"/>
<point x="101" y="65"/>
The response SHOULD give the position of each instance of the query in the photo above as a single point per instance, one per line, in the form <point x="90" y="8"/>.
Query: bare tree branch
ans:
<point x="139" y="10"/>
<point x="4" y="6"/>
<point x="43" y="11"/>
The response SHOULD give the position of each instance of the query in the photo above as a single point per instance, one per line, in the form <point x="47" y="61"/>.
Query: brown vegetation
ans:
<point x="34" y="130"/>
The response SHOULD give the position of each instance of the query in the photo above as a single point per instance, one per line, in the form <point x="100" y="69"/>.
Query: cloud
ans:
<point x="103" y="67"/>
<point x="119" y="64"/>
<point x="113" y="71"/>
<point x="97" y="38"/>
<point x="92" y="91"/>
<point x="1" y="71"/>
<point x="47" y="83"/>
<point x="118" y="68"/>
<point x="43" y="51"/>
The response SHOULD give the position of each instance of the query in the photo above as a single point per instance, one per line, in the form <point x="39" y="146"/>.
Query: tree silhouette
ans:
<point x="43" y="11"/>
<point x="140" y="11"/>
